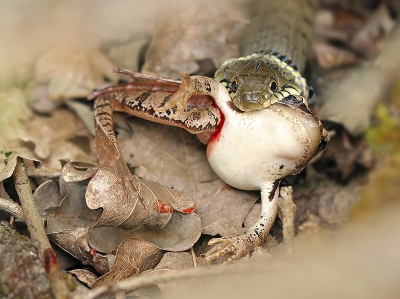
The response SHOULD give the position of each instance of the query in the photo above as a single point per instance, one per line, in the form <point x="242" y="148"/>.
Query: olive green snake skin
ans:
<point x="274" y="50"/>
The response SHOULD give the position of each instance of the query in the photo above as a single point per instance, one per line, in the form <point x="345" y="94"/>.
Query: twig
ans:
<point x="12" y="208"/>
<point x="43" y="172"/>
<point x="193" y="258"/>
<point x="134" y="283"/>
<point x="36" y="229"/>
<point x="287" y="213"/>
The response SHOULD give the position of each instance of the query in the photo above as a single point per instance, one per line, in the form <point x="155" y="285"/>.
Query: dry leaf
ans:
<point x="8" y="161"/>
<point x="133" y="257"/>
<point x="75" y="242"/>
<point x="335" y="208"/>
<point x="47" y="196"/>
<point x="84" y="276"/>
<point x="124" y="203"/>
<point x="179" y="42"/>
<point x="50" y="138"/>
<point x="344" y="156"/>
<point x="175" y="261"/>
<point x="64" y="209"/>
<point x="329" y="56"/>
<point x="352" y="101"/>
<point x="73" y="72"/>
<point x="78" y="171"/>
<point x="379" y="24"/>
<point x="181" y="232"/>
<point x="226" y="209"/>
<point x="53" y="137"/>
<point x="84" y="112"/>
<point x="127" y="55"/>
<point x="320" y="195"/>
<point x="14" y="113"/>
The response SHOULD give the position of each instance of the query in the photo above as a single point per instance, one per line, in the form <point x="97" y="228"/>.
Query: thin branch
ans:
<point x="43" y="172"/>
<point x="12" y="208"/>
<point x="36" y="229"/>
<point x="134" y="283"/>
<point x="287" y="213"/>
<point x="194" y="258"/>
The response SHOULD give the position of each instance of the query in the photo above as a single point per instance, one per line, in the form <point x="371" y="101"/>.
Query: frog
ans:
<point x="248" y="150"/>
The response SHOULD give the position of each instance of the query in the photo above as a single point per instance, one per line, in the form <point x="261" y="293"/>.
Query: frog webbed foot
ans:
<point x="239" y="247"/>
<point x="255" y="236"/>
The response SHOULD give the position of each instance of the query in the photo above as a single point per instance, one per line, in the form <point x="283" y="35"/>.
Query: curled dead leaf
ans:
<point x="8" y="161"/>
<point x="78" y="171"/>
<point x="129" y="205"/>
<point x="85" y="276"/>
<point x="65" y="208"/>
<point x="75" y="242"/>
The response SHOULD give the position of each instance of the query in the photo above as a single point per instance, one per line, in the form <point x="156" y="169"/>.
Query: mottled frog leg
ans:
<point x="255" y="235"/>
<point x="191" y="85"/>
<point x="287" y="213"/>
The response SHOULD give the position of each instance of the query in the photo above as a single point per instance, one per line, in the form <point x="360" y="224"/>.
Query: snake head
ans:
<point x="254" y="82"/>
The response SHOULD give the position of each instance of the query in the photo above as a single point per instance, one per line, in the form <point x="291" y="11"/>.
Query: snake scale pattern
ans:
<point x="274" y="50"/>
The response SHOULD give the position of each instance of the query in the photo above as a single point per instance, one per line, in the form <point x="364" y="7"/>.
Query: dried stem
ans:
<point x="43" y="172"/>
<point x="36" y="229"/>
<point x="287" y="213"/>
<point x="134" y="283"/>
<point x="12" y="208"/>
<point x="194" y="258"/>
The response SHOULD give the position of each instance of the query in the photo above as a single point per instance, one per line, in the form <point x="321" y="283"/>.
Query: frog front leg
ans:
<point x="241" y="245"/>
<point x="191" y="85"/>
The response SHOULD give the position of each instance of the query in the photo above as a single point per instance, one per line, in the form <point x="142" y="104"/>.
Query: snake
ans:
<point x="274" y="52"/>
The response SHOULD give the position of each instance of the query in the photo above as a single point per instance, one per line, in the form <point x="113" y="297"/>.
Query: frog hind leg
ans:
<point x="241" y="245"/>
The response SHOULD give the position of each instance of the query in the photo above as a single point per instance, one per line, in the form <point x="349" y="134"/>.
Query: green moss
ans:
<point x="385" y="137"/>
<point x="383" y="187"/>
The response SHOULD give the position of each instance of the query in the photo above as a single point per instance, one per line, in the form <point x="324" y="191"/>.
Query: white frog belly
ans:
<point x="265" y="145"/>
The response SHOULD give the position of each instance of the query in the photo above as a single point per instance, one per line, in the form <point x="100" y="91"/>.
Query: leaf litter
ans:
<point x="170" y="157"/>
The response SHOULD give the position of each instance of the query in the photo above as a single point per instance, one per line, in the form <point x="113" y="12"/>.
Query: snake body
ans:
<point x="274" y="52"/>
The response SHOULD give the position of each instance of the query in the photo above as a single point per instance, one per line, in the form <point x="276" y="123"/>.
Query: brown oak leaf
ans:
<point x="133" y="257"/>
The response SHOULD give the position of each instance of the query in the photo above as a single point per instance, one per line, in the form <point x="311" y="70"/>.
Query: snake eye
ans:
<point x="234" y="85"/>
<point x="273" y="85"/>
